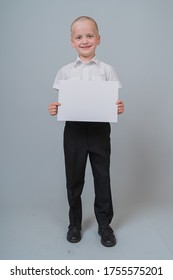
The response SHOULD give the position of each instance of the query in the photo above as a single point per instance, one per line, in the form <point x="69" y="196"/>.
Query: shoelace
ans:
<point x="75" y="228"/>
<point x="106" y="228"/>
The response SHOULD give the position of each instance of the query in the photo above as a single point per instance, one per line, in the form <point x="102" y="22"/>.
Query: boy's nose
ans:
<point x="84" y="41"/>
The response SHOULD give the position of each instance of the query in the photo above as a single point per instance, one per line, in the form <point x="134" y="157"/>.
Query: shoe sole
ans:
<point x="73" y="241"/>
<point x="108" y="245"/>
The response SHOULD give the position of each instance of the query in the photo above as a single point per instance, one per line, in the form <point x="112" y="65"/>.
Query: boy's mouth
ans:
<point x="85" y="47"/>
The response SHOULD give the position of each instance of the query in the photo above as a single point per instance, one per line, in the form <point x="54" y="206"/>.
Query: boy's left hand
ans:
<point x="120" y="106"/>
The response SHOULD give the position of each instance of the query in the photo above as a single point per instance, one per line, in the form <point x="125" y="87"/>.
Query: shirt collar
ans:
<point x="79" y="61"/>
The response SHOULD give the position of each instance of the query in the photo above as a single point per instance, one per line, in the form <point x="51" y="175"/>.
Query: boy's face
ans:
<point x="85" y="39"/>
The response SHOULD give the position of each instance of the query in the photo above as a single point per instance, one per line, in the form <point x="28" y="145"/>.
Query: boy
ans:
<point x="83" y="139"/>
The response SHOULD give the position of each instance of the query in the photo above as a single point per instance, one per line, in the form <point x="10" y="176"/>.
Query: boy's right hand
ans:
<point x="53" y="108"/>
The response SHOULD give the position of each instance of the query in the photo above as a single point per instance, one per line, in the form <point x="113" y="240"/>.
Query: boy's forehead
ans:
<point x="81" y="24"/>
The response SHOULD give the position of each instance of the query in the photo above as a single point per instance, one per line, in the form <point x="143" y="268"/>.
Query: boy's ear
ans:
<point x="72" y="43"/>
<point x="98" y="40"/>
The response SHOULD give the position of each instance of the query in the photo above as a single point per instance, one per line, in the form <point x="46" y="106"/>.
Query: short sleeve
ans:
<point x="112" y="76"/>
<point x="57" y="80"/>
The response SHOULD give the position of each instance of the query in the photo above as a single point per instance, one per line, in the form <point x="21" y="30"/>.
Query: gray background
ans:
<point x="136" y="38"/>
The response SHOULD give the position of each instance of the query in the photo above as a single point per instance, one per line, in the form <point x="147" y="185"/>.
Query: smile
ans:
<point x="85" y="47"/>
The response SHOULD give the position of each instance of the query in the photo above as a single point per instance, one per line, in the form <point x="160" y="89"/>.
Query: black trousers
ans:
<point x="83" y="140"/>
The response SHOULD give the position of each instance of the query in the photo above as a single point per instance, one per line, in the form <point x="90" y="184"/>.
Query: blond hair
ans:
<point x="83" y="18"/>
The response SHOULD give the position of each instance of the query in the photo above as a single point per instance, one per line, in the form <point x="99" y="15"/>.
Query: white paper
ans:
<point x="93" y="101"/>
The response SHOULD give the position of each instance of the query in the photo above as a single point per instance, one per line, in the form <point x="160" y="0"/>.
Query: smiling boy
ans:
<point x="87" y="139"/>
<point x="85" y="38"/>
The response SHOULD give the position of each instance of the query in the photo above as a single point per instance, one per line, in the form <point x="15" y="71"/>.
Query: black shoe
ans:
<point x="74" y="234"/>
<point x="107" y="236"/>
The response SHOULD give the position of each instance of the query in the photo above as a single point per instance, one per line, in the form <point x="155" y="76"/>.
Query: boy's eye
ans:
<point x="88" y="36"/>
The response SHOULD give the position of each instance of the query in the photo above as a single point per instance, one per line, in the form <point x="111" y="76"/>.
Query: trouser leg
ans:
<point x="99" y="153"/>
<point x="75" y="151"/>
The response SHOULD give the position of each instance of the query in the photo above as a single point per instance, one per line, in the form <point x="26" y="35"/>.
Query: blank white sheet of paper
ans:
<point x="92" y="101"/>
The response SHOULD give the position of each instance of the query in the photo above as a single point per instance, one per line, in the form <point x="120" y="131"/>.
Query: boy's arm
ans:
<point x="53" y="108"/>
<point x="120" y="106"/>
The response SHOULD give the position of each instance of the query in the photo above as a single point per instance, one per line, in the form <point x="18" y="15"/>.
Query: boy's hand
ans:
<point x="120" y="106"/>
<point x="53" y="108"/>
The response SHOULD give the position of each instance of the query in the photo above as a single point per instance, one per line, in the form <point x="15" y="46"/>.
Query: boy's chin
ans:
<point x="87" y="55"/>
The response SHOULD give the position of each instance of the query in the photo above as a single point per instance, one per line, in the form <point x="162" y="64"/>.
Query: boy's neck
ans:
<point x="86" y="59"/>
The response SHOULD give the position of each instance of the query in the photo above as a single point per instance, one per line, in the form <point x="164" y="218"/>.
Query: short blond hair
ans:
<point x="83" y="18"/>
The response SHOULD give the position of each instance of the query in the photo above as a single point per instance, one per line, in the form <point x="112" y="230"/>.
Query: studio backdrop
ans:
<point x="136" y="38"/>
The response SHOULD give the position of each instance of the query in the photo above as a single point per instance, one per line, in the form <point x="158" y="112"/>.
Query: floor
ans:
<point x="39" y="232"/>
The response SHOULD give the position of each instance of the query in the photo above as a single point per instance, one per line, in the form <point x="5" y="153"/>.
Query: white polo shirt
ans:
<point x="88" y="71"/>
